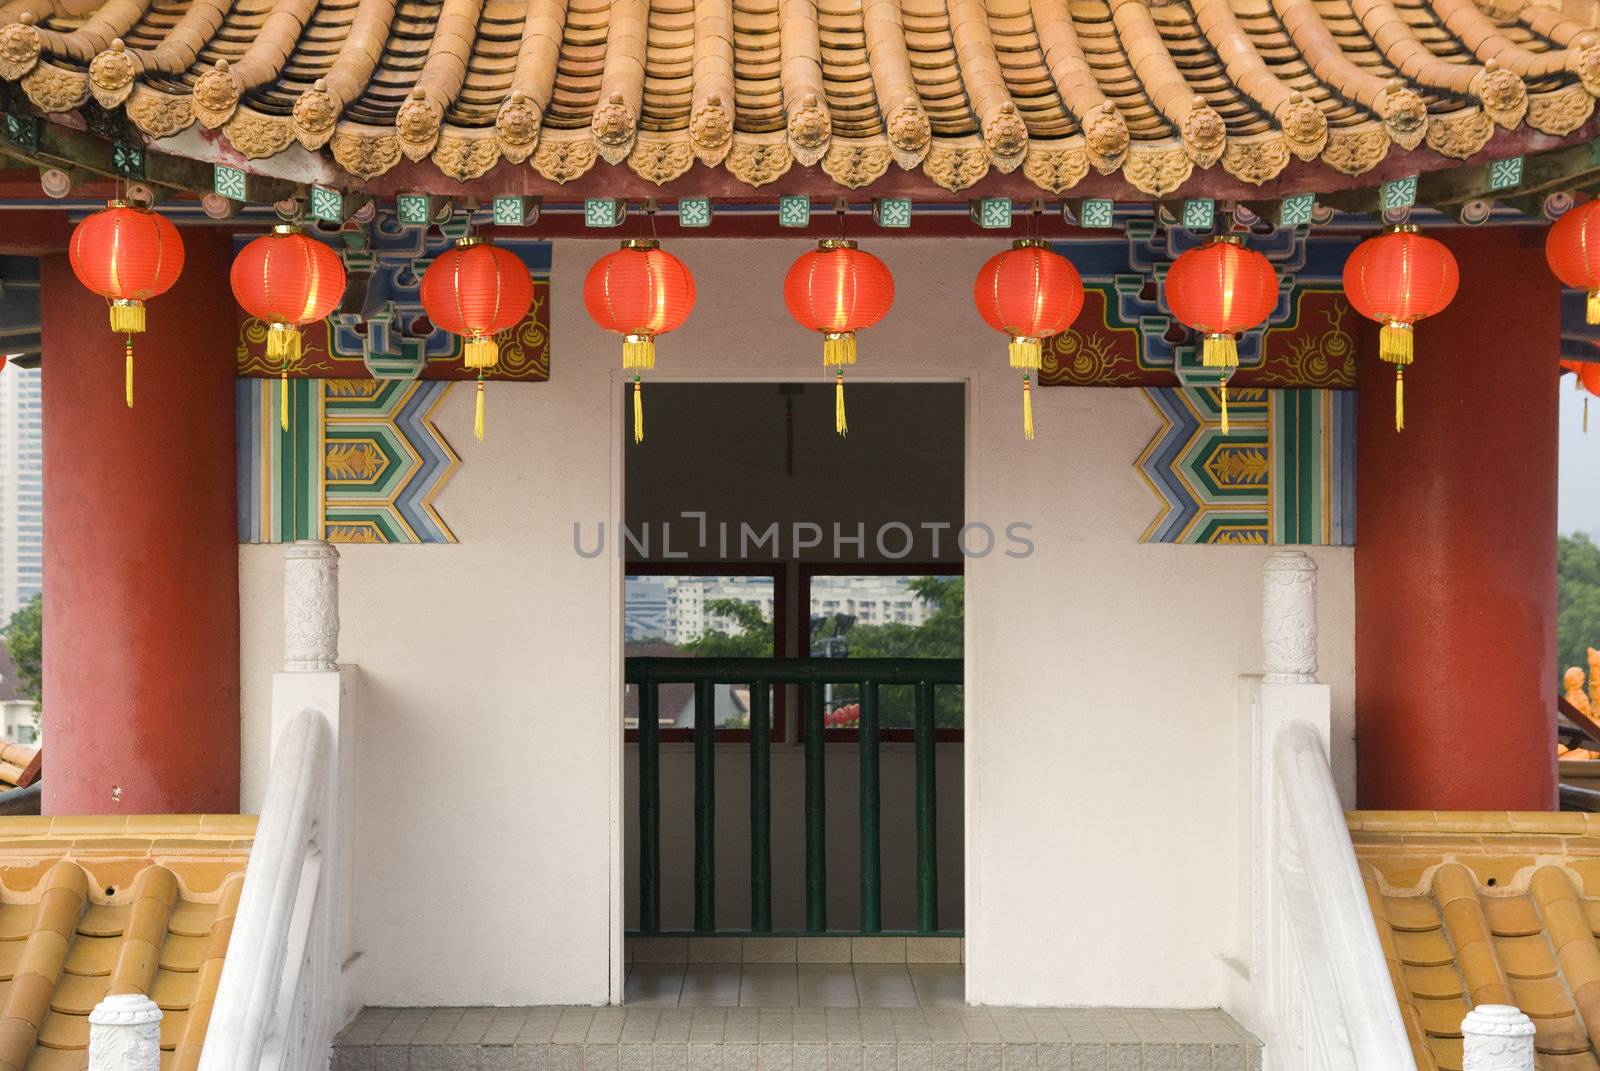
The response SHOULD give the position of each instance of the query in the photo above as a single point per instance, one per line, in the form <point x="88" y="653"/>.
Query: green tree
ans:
<point x="24" y="639"/>
<point x="751" y="638"/>
<point x="939" y="636"/>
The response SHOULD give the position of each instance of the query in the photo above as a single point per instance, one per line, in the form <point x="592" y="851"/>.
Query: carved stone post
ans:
<point x="1496" y="1037"/>
<point x="125" y="1034"/>
<point x="310" y="607"/>
<point x="1289" y="618"/>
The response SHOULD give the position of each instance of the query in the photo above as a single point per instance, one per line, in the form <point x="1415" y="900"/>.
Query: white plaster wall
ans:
<point x="1100" y="799"/>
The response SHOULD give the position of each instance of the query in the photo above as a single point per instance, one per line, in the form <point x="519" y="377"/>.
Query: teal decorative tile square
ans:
<point x="1504" y="174"/>
<point x="992" y="213"/>
<point x="127" y="159"/>
<point x="414" y="209"/>
<point x="794" y="211"/>
<point x="1399" y="193"/>
<point x="603" y="212"/>
<point x="892" y="211"/>
<point x="515" y="211"/>
<point x="1297" y="211"/>
<point x="22" y="130"/>
<point x="694" y="211"/>
<point x="228" y="182"/>
<point x="1199" y="214"/>
<point x="327" y="205"/>
<point x="1095" y="212"/>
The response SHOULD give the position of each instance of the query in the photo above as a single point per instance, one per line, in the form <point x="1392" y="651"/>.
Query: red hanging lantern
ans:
<point x="837" y="290"/>
<point x="1218" y="289"/>
<point x="287" y="279"/>
<point x="477" y="290"/>
<point x="1029" y="293"/>
<point x="640" y="291"/>
<point x="127" y="255"/>
<point x="1398" y="278"/>
<point x="1573" y="250"/>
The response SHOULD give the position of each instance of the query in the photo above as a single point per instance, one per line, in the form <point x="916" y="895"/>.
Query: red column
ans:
<point x="141" y="566"/>
<point x="1456" y="545"/>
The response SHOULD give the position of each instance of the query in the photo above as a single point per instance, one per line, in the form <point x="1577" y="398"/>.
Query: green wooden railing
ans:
<point x="810" y="675"/>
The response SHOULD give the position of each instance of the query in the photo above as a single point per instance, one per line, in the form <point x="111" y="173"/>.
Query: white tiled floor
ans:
<point x="789" y="985"/>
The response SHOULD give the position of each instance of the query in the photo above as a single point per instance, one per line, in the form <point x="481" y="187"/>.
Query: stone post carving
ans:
<point x="310" y="607"/>
<point x="1496" y="1037"/>
<point x="125" y="1034"/>
<point x="1289" y="618"/>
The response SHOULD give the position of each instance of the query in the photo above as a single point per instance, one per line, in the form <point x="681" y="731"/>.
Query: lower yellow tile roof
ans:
<point x="91" y="906"/>
<point x="1488" y="907"/>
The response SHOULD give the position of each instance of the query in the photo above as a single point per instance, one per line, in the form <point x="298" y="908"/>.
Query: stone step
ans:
<point x="945" y="1038"/>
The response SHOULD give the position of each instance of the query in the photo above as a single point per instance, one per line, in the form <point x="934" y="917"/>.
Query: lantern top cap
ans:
<point x="1403" y="228"/>
<point x="471" y="240"/>
<point x="285" y="228"/>
<point x="641" y="244"/>
<point x="1030" y="243"/>
<point x="829" y="244"/>
<point x="1227" y="239"/>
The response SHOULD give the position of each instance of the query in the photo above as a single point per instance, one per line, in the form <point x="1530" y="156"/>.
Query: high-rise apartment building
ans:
<point x="21" y="489"/>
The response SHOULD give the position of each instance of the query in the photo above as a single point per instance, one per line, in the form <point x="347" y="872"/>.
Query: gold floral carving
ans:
<point x="111" y="75"/>
<point x="257" y="135"/>
<point x="1585" y="63"/>
<point x="517" y="127"/>
<point x="1204" y="134"/>
<point x="1057" y="165"/>
<point x="956" y="163"/>
<point x="465" y="156"/>
<point x="417" y="124"/>
<point x="315" y="114"/>
<point x="1502" y="93"/>
<point x="757" y="159"/>
<point x="159" y="114"/>
<point x="856" y="162"/>
<point x="809" y="131"/>
<point x="660" y="158"/>
<point x="1105" y="135"/>
<point x="909" y="133"/>
<point x="364" y="151"/>
<point x="711" y="131"/>
<point x="1304" y="127"/>
<point x="1158" y="168"/>
<point x="563" y="155"/>
<point x="1355" y="150"/>
<point x="216" y="95"/>
<point x="1560" y="111"/>
<point x="1258" y="158"/>
<point x="1461" y="133"/>
<point x="613" y="126"/>
<point x="1006" y="137"/>
<point x="1404" y="113"/>
<point x="53" y="89"/>
<point x="20" y="47"/>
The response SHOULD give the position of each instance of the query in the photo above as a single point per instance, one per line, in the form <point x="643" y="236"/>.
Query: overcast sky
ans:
<point x="1578" y="495"/>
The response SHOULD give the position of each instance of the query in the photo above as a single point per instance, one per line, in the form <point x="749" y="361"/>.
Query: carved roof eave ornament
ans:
<point x="909" y="134"/>
<point x="809" y="129"/>
<point x="315" y="115"/>
<point x="1158" y="168"/>
<point x="564" y="155"/>
<point x="363" y="150"/>
<point x="20" y="47"/>
<point x="711" y="131"/>
<point x="516" y="125"/>
<point x="53" y="88"/>
<point x="660" y="157"/>
<point x="216" y="96"/>
<point x="857" y="162"/>
<point x="1502" y="94"/>
<point x="1057" y="164"/>
<point x="111" y="75"/>
<point x="417" y="123"/>
<point x="465" y="153"/>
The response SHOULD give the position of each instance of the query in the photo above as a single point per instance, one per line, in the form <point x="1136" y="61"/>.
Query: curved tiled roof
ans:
<point x="954" y="88"/>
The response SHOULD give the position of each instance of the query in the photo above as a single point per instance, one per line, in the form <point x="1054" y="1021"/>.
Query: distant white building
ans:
<point x="871" y="600"/>
<point x="21" y="489"/>
<point x="644" y="609"/>
<point x="689" y="596"/>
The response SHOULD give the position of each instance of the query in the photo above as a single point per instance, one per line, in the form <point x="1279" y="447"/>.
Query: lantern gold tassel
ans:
<point x="1399" y="397"/>
<point x="283" y="398"/>
<point x="283" y="343"/>
<point x="638" y="411"/>
<point x="840" y="425"/>
<point x="1395" y="342"/>
<point x="1219" y="351"/>
<point x="1223" y="391"/>
<point x="1026" y="352"/>
<point x="638" y="351"/>
<point x="127" y="316"/>
<point x="1027" y="408"/>
<point x="838" y="347"/>
<point x="1593" y="312"/>
<point x="480" y="351"/>
<point x="477" y="411"/>
<point x="1586" y="416"/>
<point x="127" y="371"/>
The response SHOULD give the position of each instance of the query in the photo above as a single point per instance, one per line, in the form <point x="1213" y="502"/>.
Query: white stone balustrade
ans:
<point x="1496" y="1037"/>
<point x="125" y="1034"/>
<point x="310" y="607"/>
<point x="1289" y="618"/>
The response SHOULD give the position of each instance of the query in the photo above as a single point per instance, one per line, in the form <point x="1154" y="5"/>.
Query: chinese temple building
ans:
<point x="1163" y="680"/>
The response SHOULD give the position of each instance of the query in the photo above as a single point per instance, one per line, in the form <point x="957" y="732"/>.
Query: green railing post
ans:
<point x="927" y="813"/>
<point x="871" y="873"/>
<point x="649" y="808"/>
<point x="816" y="834"/>
<point x="705" y="806"/>
<point x="760" y="807"/>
